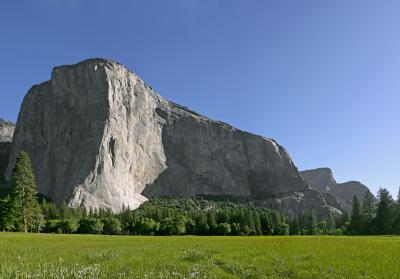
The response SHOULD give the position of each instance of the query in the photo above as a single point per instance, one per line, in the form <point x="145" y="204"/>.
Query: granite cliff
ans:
<point x="6" y="134"/>
<point x="322" y="179"/>
<point x="98" y="136"/>
<point x="6" y="130"/>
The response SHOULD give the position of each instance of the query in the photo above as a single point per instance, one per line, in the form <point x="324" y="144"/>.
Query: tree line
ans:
<point x="20" y="210"/>
<point x="375" y="218"/>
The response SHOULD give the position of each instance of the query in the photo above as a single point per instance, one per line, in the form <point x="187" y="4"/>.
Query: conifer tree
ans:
<point x="356" y="222"/>
<point x="294" y="226"/>
<point x="331" y="224"/>
<point x="368" y="211"/>
<point x="343" y="221"/>
<point x="383" y="222"/>
<point x="251" y="222"/>
<point x="311" y="220"/>
<point x="266" y="224"/>
<point x="65" y="211"/>
<point x="257" y="223"/>
<point x="396" y="224"/>
<point x="24" y="194"/>
<point x="212" y="220"/>
<point x="7" y="215"/>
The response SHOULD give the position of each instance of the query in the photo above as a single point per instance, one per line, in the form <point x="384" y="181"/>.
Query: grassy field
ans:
<point x="83" y="256"/>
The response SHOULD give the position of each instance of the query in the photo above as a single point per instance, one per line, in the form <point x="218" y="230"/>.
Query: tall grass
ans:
<point x="85" y="256"/>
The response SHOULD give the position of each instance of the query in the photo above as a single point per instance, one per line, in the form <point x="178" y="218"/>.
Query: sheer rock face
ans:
<point x="322" y="179"/>
<point x="212" y="158"/>
<point x="5" y="150"/>
<point x="344" y="193"/>
<point x="93" y="136"/>
<point x="98" y="136"/>
<point x="6" y="134"/>
<point x="321" y="203"/>
<point x="6" y="131"/>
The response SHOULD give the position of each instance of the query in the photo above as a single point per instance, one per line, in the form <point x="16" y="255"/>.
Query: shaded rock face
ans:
<point x="322" y="180"/>
<point x="344" y="192"/>
<point x="321" y="203"/>
<point x="6" y="134"/>
<point x="213" y="158"/>
<point x="5" y="150"/>
<point x="98" y="136"/>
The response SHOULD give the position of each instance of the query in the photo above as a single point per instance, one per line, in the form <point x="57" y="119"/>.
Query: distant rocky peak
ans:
<point x="6" y="130"/>
<point x="320" y="179"/>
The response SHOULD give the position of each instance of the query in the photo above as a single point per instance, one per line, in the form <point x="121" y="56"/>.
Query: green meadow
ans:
<point x="89" y="256"/>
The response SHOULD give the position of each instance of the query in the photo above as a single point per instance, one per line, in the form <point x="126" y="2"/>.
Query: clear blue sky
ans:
<point x="321" y="77"/>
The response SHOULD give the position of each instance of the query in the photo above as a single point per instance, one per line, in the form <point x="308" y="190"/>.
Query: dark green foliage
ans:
<point x="53" y="226"/>
<point x="69" y="225"/>
<point x="321" y="227"/>
<point x="282" y="229"/>
<point x="90" y="226"/>
<point x="147" y="226"/>
<point x="343" y="221"/>
<point x="311" y="220"/>
<point x="20" y="210"/>
<point x="379" y="218"/>
<point x="356" y="223"/>
<point x="194" y="216"/>
<point x="368" y="212"/>
<point x="203" y="217"/>
<point x="111" y="226"/>
<point x="169" y="226"/>
<point x="385" y="213"/>
<point x="66" y="226"/>
<point x="24" y="204"/>
<point x="224" y="229"/>
<point x="8" y="219"/>
<point x="396" y="223"/>
<point x="179" y="224"/>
